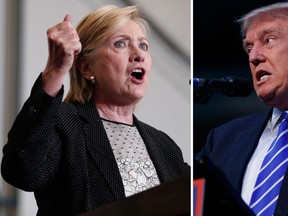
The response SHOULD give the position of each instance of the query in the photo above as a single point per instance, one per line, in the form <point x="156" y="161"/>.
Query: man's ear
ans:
<point x="84" y="68"/>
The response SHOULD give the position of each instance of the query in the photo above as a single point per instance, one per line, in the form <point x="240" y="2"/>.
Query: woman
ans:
<point x="90" y="149"/>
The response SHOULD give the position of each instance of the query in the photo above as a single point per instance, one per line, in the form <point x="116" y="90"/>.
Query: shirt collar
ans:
<point x="275" y="119"/>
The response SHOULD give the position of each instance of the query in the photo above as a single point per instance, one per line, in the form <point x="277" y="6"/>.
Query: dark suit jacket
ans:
<point x="230" y="147"/>
<point x="62" y="153"/>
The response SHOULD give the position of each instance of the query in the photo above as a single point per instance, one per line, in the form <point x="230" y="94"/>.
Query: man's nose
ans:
<point x="256" y="55"/>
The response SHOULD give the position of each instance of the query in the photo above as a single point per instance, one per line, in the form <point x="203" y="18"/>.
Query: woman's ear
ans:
<point x="84" y="68"/>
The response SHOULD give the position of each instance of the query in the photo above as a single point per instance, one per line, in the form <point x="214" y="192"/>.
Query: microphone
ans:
<point x="229" y="86"/>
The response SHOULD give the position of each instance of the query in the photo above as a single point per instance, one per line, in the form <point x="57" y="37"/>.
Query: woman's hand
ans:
<point x="64" y="45"/>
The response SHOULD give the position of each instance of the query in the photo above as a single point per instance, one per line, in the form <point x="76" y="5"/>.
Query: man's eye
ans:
<point x="270" y="41"/>
<point x="143" y="46"/>
<point x="119" y="44"/>
<point x="249" y="49"/>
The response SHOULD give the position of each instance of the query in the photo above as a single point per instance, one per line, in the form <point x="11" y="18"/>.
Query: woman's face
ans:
<point x="122" y="66"/>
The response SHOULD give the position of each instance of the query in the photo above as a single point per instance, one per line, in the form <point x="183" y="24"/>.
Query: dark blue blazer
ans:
<point x="61" y="152"/>
<point x="230" y="146"/>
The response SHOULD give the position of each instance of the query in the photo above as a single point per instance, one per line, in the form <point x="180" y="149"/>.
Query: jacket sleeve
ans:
<point x="32" y="152"/>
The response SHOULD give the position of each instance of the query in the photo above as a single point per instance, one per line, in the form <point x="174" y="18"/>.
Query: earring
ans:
<point x="92" y="78"/>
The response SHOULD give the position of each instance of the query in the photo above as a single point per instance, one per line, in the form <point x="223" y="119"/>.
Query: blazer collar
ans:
<point x="101" y="151"/>
<point x="154" y="148"/>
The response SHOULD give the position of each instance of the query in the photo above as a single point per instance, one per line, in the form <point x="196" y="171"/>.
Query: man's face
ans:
<point x="266" y="44"/>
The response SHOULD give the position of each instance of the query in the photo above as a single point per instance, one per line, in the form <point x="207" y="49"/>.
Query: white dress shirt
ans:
<point x="268" y="135"/>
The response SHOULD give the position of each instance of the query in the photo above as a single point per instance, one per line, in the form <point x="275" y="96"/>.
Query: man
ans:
<point x="238" y="148"/>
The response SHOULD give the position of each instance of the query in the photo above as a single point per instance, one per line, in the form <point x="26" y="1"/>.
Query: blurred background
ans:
<point x="217" y="53"/>
<point x="23" y="54"/>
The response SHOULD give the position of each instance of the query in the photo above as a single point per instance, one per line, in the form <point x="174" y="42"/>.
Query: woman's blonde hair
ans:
<point x="93" y="31"/>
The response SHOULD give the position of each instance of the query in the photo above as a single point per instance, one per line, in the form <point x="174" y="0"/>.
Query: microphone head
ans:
<point x="229" y="86"/>
<point x="239" y="87"/>
<point x="199" y="82"/>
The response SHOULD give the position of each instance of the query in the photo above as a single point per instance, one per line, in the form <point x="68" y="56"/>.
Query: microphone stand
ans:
<point x="201" y="96"/>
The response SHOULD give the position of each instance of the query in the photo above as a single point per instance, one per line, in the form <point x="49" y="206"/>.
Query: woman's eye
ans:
<point x="119" y="44"/>
<point x="143" y="46"/>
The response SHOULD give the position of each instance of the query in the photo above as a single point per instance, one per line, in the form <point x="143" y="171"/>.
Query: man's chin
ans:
<point x="267" y="98"/>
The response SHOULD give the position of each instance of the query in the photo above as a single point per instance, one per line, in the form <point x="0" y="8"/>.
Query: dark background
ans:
<point x="217" y="52"/>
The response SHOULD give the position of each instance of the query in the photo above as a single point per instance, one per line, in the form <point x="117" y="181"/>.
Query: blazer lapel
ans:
<point x="100" y="149"/>
<point x="154" y="149"/>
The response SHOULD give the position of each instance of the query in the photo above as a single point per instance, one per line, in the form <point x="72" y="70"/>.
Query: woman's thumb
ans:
<point x="68" y="18"/>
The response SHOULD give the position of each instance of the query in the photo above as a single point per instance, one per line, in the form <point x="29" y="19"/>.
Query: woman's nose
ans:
<point x="137" y="59"/>
<point x="137" y="55"/>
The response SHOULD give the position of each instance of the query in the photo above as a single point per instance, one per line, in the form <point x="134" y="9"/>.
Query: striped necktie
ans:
<point x="271" y="174"/>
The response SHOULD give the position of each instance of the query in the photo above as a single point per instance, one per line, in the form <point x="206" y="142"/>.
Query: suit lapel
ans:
<point x="242" y="148"/>
<point x="282" y="207"/>
<point x="99" y="147"/>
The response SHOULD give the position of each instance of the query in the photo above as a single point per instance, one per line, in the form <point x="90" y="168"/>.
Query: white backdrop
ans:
<point x="167" y="103"/>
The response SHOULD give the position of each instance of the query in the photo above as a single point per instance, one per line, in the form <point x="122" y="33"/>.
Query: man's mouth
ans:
<point x="264" y="77"/>
<point x="261" y="76"/>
